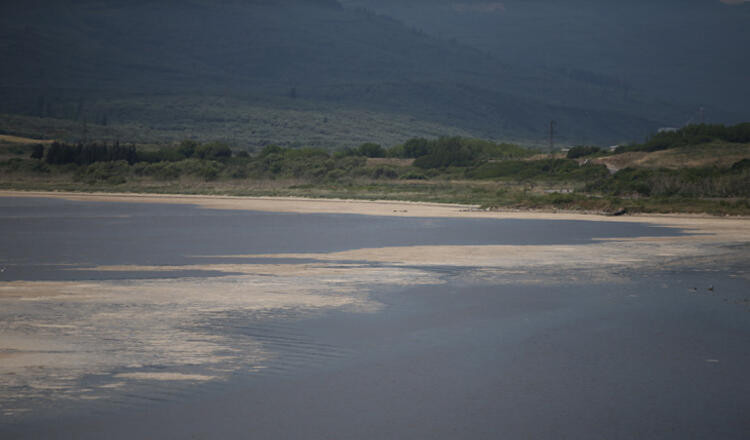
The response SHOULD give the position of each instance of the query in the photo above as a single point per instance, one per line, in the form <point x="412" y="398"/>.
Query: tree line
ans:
<point x="60" y="153"/>
<point x="442" y="152"/>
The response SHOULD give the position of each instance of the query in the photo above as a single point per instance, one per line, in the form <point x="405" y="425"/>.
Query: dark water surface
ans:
<point x="648" y="358"/>
<point x="40" y="236"/>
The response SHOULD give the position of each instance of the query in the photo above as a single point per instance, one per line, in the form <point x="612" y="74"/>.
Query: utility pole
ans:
<point x="85" y="131"/>
<point x="552" y="125"/>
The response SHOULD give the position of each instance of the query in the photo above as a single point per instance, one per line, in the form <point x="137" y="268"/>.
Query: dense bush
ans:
<point x="446" y="152"/>
<point x="554" y="169"/>
<point x="60" y="153"/>
<point x="164" y="154"/>
<point x="691" y="135"/>
<point x="371" y="150"/>
<point x="368" y="149"/>
<point x="159" y="170"/>
<point x="212" y="151"/>
<point x="37" y="151"/>
<point x="686" y="182"/>
<point x="115" y="172"/>
<point x="414" y="148"/>
<point x="187" y="148"/>
<point x="17" y="164"/>
<point x="214" y="160"/>
<point x="384" y="172"/>
<point x="414" y="175"/>
<point x="743" y="164"/>
<point x="271" y="149"/>
<point x="456" y="151"/>
<point x="581" y="151"/>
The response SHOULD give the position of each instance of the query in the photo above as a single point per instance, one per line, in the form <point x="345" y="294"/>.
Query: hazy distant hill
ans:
<point x="688" y="52"/>
<point x="159" y="64"/>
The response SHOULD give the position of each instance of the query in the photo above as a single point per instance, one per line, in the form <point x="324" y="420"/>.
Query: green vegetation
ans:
<point x="703" y="182"/>
<point x="582" y="151"/>
<point x="448" y="169"/>
<point x="165" y="119"/>
<point x="278" y="71"/>
<point x="558" y="170"/>
<point x="695" y="134"/>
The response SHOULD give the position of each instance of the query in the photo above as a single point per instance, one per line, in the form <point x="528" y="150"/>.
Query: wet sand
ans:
<point x="366" y="320"/>
<point x="366" y="207"/>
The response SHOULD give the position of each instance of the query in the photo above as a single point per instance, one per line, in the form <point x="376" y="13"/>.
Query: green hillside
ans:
<point x="163" y="66"/>
<point x="685" y="52"/>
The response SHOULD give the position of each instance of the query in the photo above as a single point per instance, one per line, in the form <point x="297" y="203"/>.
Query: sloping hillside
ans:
<point x="80" y="60"/>
<point x="681" y="51"/>
<point x="714" y="154"/>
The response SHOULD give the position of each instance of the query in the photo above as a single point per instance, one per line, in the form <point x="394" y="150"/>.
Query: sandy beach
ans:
<point x="705" y="223"/>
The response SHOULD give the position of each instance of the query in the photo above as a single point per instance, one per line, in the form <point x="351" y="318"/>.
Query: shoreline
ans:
<point x="393" y="208"/>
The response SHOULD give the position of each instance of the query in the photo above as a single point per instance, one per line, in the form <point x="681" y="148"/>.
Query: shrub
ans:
<point x="187" y="148"/>
<point x="204" y="169"/>
<point x="37" y="151"/>
<point x="213" y="151"/>
<point x="271" y="149"/>
<point x="14" y="164"/>
<point x="581" y="151"/>
<point x="159" y="170"/>
<point x="350" y="163"/>
<point x="691" y="135"/>
<point x="104" y="172"/>
<point x="740" y="165"/>
<point x="335" y="175"/>
<point x="414" y="175"/>
<point x="383" y="172"/>
<point x="39" y="167"/>
<point x="371" y="150"/>
<point x="415" y="147"/>
<point x="446" y="152"/>
<point x="238" y="172"/>
<point x="555" y="169"/>
<point x="345" y="152"/>
<point x="60" y="153"/>
<point x="686" y="182"/>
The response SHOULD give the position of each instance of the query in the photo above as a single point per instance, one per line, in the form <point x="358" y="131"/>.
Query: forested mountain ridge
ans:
<point x="679" y="51"/>
<point x="81" y="59"/>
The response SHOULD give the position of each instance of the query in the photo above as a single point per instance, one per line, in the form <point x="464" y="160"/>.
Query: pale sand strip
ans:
<point x="706" y="224"/>
<point x="23" y="140"/>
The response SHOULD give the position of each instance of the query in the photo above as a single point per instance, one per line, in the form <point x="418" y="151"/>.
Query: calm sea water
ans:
<point x="38" y="234"/>
<point x="643" y="358"/>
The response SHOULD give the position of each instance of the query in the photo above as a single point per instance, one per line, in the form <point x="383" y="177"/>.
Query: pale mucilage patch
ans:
<point x="155" y="322"/>
<point x="166" y="376"/>
<point x="52" y="334"/>
<point x="55" y="333"/>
